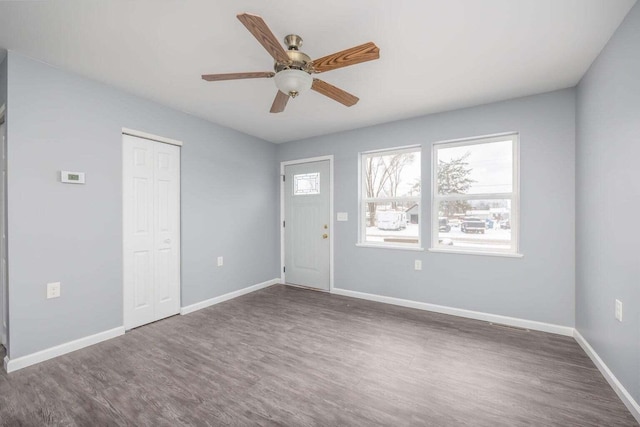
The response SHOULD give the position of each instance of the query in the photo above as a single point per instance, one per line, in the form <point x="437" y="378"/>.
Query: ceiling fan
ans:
<point x="293" y="69"/>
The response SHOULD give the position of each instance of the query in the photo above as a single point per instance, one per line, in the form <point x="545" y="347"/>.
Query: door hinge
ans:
<point x="284" y="269"/>
<point x="284" y="178"/>
<point x="282" y="224"/>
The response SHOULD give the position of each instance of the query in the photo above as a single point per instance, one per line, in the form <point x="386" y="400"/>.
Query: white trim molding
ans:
<point x="11" y="365"/>
<point x="152" y="137"/>
<point x="439" y="249"/>
<point x="226" y="297"/>
<point x="389" y="246"/>
<point x="615" y="384"/>
<point x="469" y="314"/>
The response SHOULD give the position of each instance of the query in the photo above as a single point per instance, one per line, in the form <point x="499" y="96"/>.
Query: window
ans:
<point x="390" y="198"/>
<point x="475" y="195"/>
<point x="306" y="184"/>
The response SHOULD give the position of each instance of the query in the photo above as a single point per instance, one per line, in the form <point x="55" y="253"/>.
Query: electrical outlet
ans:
<point x="220" y="261"/>
<point x="53" y="290"/>
<point x="619" y="310"/>
<point x="417" y="265"/>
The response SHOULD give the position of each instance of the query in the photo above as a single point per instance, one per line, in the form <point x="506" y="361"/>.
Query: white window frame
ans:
<point x="514" y="195"/>
<point x="362" y="200"/>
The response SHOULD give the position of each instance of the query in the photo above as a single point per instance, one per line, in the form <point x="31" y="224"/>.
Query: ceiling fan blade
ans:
<point x="237" y="76"/>
<point x="279" y="103"/>
<point x="355" y="55"/>
<point x="334" y="93"/>
<point x="263" y="34"/>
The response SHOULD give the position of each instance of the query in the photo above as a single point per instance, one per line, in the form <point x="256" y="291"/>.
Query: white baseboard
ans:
<point x="226" y="297"/>
<point x="615" y="384"/>
<point x="477" y="315"/>
<point x="11" y="365"/>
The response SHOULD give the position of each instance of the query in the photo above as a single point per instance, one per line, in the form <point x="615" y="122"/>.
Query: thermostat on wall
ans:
<point x="72" y="177"/>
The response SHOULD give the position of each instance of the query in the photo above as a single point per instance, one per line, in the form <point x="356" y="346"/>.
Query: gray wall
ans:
<point x="539" y="286"/>
<point x="608" y="202"/>
<point x="73" y="233"/>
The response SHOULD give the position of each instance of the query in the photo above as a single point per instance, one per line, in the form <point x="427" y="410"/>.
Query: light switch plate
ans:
<point x="343" y="216"/>
<point x="418" y="264"/>
<point x="220" y="261"/>
<point x="618" y="312"/>
<point x="53" y="290"/>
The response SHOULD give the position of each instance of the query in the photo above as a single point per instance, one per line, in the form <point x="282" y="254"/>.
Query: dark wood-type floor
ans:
<point x="287" y="356"/>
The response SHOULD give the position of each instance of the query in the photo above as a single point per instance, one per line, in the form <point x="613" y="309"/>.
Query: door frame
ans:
<point x="4" y="310"/>
<point x="283" y="164"/>
<point x="160" y="139"/>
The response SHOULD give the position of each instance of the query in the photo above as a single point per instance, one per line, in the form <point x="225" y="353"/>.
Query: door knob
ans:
<point x="324" y="236"/>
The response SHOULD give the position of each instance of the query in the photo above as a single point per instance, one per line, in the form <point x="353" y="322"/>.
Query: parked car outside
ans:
<point x="392" y="220"/>
<point x="473" y="225"/>
<point x="444" y="224"/>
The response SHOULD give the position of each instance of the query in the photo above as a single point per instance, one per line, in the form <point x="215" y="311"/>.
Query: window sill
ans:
<point x="405" y="248"/>
<point x="467" y="252"/>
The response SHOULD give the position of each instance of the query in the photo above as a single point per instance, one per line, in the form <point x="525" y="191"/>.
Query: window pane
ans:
<point x="306" y="183"/>
<point x="391" y="175"/>
<point x="476" y="168"/>
<point x="392" y="222"/>
<point x="475" y="224"/>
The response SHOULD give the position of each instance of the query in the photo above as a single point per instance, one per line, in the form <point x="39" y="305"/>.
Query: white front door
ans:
<point x="3" y="235"/>
<point x="151" y="229"/>
<point x="306" y="228"/>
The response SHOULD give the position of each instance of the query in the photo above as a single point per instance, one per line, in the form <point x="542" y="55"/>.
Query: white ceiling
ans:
<point x="435" y="55"/>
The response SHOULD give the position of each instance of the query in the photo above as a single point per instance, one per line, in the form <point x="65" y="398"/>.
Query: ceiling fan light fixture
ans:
<point x="293" y="82"/>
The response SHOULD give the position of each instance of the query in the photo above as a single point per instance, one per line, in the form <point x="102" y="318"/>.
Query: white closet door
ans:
<point x="167" y="230"/>
<point x="151" y="206"/>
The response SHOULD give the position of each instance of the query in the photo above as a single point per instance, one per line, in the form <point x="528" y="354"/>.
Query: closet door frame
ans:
<point x="126" y="132"/>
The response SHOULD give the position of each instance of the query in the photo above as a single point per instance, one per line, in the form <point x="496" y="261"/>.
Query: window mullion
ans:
<point x="390" y="199"/>
<point x="480" y="196"/>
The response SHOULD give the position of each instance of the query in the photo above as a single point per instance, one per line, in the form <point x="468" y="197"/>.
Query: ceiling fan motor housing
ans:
<point x="297" y="61"/>
<point x="293" y="77"/>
